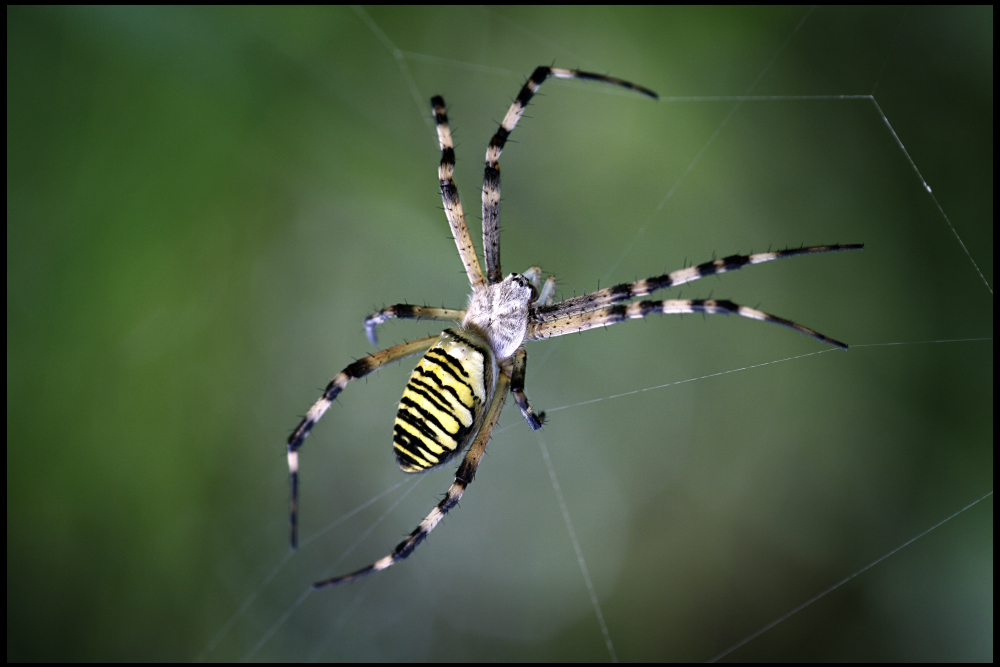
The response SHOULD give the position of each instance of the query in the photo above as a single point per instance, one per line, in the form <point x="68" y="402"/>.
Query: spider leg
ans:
<point x="463" y="477"/>
<point x="517" y="390"/>
<point x="615" y="314"/>
<point x="408" y="312"/>
<point x="491" y="177"/>
<point x="449" y="195"/>
<point x="358" y="369"/>
<point x="628" y="291"/>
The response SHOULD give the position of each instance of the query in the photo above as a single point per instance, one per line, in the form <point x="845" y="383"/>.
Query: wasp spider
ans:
<point x="456" y="392"/>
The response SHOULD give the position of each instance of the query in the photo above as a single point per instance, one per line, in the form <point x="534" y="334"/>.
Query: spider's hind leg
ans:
<point x="534" y="419"/>
<point x="357" y="370"/>
<point x="463" y="477"/>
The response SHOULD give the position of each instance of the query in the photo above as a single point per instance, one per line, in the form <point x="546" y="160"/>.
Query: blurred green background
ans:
<point x="203" y="205"/>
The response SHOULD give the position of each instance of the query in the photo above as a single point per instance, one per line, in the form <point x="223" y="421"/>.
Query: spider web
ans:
<point x="704" y="477"/>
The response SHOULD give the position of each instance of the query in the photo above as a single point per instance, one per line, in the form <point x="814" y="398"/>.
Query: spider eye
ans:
<point x="524" y="282"/>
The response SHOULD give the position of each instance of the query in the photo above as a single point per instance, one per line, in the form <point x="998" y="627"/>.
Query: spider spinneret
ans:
<point x="456" y="392"/>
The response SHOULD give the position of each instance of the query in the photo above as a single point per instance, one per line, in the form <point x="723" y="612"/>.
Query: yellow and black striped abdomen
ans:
<point x="444" y="402"/>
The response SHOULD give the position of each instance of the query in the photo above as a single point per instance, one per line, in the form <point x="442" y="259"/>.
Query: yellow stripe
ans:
<point x="419" y="461"/>
<point x="445" y="397"/>
<point x="427" y="455"/>
<point x="449" y="422"/>
<point x="465" y="395"/>
<point x="432" y="445"/>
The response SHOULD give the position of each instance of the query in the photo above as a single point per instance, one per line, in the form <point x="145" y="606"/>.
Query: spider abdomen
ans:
<point x="444" y="401"/>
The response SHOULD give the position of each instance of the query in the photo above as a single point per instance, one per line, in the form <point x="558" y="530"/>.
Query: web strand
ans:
<point x="698" y="156"/>
<point x="708" y="376"/>
<point x="404" y="69"/>
<point x="933" y="198"/>
<point x="845" y="580"/>
<point x="578" y="60"/>
<point x="576" y="548"/>
<point x="243" y="608"/>
<point x="302" y="598"/>
<point x="401" y="58"/>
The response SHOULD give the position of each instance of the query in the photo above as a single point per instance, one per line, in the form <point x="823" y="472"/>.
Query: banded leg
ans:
<point x="463" y="477"/>
<point x="491" y="178"/>
<point x="358" y="369"/>
<point x="449" y="195"/>
<point x="408" y="312"/>
<point x="628" y="291"/>
<point x="517" y="390"/>
<point x="615" y="314"/>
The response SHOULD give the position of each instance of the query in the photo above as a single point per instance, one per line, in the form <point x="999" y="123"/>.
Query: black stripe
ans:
<point x="441" y="386"/>
<point x="491" y="180"/>
<point x="332" y="389"/>
<point x="659" y="282"/>
<point x="730" y="263"/>
<point x="448" y="156"/>
<point x="297" y="436"/>
<point x="449" y="448"/>
<point x="421" y="426"/>
<point x="344" y="579"/>
<point x="449" y="192"/>
<point x="649" y="307"/>
<point x="423" y="413"/>
<point x="451" y="364"/>
<point x="448" y="502"/>
<point x="406" y="547"/>
<point x="438" y="108"/>
<point x="620" y="292"/>
<point x="404" y="439"/>
<point x="617" y="314"/>
<point x="405" y="311"/>
<point x="466" y="472"/>
<point x="590" y="76"/>
<point x="472" y="341"/>
<point x="433" y="397"/>
<point x="713" y="306"/>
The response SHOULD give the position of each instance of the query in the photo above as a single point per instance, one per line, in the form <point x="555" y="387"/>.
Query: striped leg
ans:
<point x="517" y="390"/>
<point x="491" y="178"/>
<point x="449" y="195"/>
<point x="408" y="312"/>
<point x="463" y="477"/>
<point x="628" y="291"/>
<point x="615" y="314"/>
<point x="358" y="369"/>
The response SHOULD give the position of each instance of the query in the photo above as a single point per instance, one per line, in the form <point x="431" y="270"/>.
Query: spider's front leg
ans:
<point x="534" y="420"/>
<point x="449" y="196"/>
<point x="463" y="477"/>
<point x="358" y="369"/>
<point x="628" y="291"/>
<point x="408" y="312"/>
<point x="603" y="317"/>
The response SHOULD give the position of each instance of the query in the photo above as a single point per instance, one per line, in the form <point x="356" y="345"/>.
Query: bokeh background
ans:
<point x="203" y="205"/>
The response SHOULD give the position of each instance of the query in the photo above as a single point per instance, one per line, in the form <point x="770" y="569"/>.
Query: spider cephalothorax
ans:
<point x="499" y="313"/>
<point x="456" y="392"/>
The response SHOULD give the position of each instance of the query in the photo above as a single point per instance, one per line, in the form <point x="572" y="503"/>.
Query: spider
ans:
<point x="456" y="392"/>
